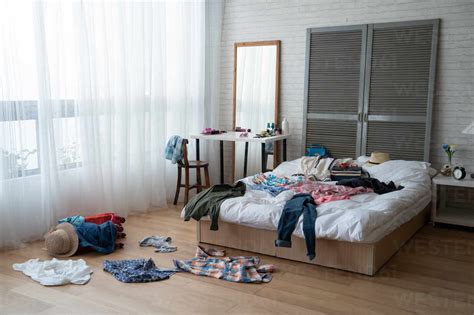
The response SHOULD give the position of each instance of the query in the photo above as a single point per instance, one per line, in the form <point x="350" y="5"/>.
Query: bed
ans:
<point x="358" y="235"/>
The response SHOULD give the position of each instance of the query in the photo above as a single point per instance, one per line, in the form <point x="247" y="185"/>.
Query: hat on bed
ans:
<point x="62" y="241"/>
<point x="377" y="158"/>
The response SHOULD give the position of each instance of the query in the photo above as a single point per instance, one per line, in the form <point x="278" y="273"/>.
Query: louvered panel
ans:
<point x="334" y="72"/>
<point x="401" y="140"/>
<point x="339" y="137"/>
<point x="400" y="70"/>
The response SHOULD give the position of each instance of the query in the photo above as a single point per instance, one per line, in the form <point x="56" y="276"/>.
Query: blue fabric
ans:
<point x="99" y="237"/>
<point x="316" y="149"/>
<point x="74" y="220"/>
<point x="299" y="204"/>
<point x="136" y="270"/>
<point x="272" y="190"/>
<point x="174" y="149"/>
<point x="161" y="243"/>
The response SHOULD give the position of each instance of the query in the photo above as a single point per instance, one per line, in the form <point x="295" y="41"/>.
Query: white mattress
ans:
<point x="364" y="218"/>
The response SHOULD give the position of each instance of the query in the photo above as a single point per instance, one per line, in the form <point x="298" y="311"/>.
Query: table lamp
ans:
<point x="469" y="131"/>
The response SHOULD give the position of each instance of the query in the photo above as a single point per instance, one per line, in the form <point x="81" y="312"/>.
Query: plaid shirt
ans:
<point x="235" y="269"/>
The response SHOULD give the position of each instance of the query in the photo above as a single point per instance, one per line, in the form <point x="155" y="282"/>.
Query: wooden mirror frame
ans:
<point x="276" y="43"/>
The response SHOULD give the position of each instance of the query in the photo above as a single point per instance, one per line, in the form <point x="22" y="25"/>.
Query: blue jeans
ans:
<point x="299" y="204"/>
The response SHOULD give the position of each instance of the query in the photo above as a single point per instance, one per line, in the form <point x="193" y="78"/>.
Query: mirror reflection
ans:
<point x="256" y="95"/>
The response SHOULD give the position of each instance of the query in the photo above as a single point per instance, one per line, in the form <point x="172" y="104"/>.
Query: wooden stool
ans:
<point x="187" y="165"/>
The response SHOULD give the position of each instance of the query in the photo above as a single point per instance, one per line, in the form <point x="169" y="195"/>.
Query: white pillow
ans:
<point x="287" y="168"/>
<point x="399" y="170"/>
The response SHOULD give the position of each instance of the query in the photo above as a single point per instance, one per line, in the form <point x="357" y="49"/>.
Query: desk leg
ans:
<point x="197" y="150"/>
<point x="222" y="160"/>
<point x="264" y="158"/>
<point x="246" y="158"/>
<point x="284" y="150"/>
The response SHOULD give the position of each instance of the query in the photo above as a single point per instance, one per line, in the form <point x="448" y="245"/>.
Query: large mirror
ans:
<point x="256" y="95"/>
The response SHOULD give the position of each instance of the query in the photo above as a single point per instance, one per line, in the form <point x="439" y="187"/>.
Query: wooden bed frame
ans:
<point x="356" y="257"/>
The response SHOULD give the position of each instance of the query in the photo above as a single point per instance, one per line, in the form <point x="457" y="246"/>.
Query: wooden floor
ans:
<point x="433" y="273"/>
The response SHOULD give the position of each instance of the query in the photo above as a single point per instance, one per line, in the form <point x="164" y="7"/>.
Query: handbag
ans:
<point x="317" y="149"/>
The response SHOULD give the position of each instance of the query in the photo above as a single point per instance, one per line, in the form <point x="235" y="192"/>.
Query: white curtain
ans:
<point x="255" y="100"/>
<point x="89" y="93"/>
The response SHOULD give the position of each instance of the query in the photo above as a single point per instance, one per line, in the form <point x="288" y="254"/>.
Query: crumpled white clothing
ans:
<point x="55" y="271"/>
<point x="316" y="166"/>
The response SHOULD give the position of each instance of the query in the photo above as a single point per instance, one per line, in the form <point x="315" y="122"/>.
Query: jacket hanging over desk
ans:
<point x="208" y="202"/>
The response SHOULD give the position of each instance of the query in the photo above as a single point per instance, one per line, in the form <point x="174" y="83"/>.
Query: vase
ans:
<point x="447" y="169"/>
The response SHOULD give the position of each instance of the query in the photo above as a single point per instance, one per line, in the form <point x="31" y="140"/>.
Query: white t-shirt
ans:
<point x="55" y="271"/>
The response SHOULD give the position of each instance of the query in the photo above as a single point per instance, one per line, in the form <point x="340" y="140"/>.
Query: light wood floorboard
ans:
<point x="432" y="274"/>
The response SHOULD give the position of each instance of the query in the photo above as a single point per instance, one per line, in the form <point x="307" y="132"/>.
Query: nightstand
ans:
<point x="440" y="212"/>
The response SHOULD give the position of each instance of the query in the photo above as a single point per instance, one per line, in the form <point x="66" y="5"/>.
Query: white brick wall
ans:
<point x="252" y="20"/>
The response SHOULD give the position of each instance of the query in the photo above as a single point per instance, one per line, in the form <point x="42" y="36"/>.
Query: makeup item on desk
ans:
<point x="210" y="131"/>
<point x="240" y="129"/>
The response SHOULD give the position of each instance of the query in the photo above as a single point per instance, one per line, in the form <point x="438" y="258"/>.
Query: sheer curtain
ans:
<point x="89" y="93"/>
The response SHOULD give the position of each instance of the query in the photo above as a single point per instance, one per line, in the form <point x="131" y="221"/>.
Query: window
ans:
<point x="20" y="142"/>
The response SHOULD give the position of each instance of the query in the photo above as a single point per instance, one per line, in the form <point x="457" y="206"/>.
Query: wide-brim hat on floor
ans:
<point x="377" y="158"/>
<point x="62" y="241"/>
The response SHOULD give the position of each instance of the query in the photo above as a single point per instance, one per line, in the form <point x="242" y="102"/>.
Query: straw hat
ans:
<point x="62" y="241"/>
<point x="377" y="158"/>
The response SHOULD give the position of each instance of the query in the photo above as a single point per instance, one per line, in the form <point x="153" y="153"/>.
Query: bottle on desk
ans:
<point x="285" y="127"/>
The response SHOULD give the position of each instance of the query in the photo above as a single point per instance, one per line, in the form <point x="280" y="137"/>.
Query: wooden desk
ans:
<point x="235" y="137"/>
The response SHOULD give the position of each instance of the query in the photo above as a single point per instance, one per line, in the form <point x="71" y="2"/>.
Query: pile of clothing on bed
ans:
<point x="309" y="188"/>
<point x="311" y="192"/>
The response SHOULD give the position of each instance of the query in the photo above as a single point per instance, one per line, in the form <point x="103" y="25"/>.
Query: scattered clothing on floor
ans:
<point x="208" y="202"/>
<point x="174" y="149"/>
<point x="104" y="217"/>
<point x="96" y="218"/>
<point x="100" y="218"/>
<point x="136" y="270"/>
<point x="74" y="220"/>
<point x="299" y="204"/>
<point x="377" y="186"/>
<point x="99" y="237"/>
<point x="323" y="193"/>
<point x="234" y="269"/>
<point x="210" y="251"/>
<point x="161" y="243"/>
<point x="56" y="272"/>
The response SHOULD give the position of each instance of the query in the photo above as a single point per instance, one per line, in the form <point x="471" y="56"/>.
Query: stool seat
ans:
<point x="195" y="164"/>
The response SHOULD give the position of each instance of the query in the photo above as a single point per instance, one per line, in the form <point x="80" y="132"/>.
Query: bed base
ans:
<point x="361" y="258"/>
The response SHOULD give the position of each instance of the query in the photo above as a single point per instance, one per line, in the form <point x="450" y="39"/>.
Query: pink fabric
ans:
<point x="322" y="193"/>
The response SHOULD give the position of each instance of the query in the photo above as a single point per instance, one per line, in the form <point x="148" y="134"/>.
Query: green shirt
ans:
<point x="208" y="202"/>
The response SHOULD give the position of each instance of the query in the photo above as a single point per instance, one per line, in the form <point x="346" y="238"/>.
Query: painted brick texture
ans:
<point x="252" y="20"/>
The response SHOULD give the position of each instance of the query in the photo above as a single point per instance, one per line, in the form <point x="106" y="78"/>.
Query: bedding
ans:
<point x="364" y="218"/>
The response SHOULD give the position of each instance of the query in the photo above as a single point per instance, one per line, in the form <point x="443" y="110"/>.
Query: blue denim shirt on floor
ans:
<point x="100" y="237"/>
<point x="136" y="270"/>
<point x="299" y="204"/>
